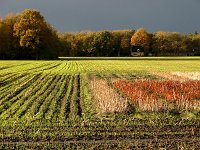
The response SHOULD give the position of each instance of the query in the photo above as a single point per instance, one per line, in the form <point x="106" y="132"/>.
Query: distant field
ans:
<point x="76" y="65"/>
<point x="100" y="103"/>
<point x="131" y="58"/>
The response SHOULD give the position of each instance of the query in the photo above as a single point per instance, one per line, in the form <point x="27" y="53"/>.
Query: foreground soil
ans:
<point x="105" y="132"/>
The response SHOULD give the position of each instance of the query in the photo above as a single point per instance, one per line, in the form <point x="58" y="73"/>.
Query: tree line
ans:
<point x="27" y="35"/>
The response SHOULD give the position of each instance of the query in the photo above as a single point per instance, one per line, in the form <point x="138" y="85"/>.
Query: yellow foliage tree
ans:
<point x="7" y="42"/>
<point x="141" y="38"/>
<point x="4" y="38"/>
<point x="29" y="28"/>
<point x="170" y="42"/>
<point x="38" y="39"/>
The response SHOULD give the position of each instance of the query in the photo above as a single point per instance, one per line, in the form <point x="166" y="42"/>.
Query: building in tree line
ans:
<point x="137" y="51"/>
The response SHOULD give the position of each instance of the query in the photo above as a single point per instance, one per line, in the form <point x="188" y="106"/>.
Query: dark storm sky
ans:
<point x="77" y="15"/>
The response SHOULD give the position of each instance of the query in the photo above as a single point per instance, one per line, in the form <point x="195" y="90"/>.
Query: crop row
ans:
<point x="45" y="97"/>
<point x="68" y="67"/>
<point x="104" y="133"/>
<point x="16" y="93"/>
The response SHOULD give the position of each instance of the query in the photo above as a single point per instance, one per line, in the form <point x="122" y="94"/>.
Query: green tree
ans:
<point x="102" y="43"/>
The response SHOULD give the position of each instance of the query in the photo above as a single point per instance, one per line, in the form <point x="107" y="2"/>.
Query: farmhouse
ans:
<point x="137" y="50"/>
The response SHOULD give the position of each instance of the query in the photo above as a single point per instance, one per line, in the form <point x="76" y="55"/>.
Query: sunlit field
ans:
<point x="100" y="103"/>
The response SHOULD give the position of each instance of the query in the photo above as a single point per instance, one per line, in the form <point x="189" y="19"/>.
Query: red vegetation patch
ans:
<point x="156" y="95"/>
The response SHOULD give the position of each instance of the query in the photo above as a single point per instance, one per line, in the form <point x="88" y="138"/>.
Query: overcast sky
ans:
<point x="76" y="15"/>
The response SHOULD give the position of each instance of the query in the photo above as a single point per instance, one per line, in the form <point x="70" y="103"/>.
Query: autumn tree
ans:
<point x="35" y="36"/>
<point x="83" y="42"/>
<point x="188" y="44"/>
<point x="195" y="41"/>
<point x="4" y="39"/>
<point x="8" y="43"/>
<point x="116" y="40"/>
<point x="121" y="42"/>
<point x="169" y="42"/>
<point x="160" y="42"/>
<point x="141" y="38"/>
<point x="125" y="45"/>
<point x="76" y="42"/>
<point x="126" y="42"/>
<point x="65" y="40"/>
<point x="87" y="49"/>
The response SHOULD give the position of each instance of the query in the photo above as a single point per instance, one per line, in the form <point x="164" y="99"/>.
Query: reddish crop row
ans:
<point x="155" y="94"/>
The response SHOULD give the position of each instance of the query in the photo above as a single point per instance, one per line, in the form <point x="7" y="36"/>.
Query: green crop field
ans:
<point x="100" y="103"/>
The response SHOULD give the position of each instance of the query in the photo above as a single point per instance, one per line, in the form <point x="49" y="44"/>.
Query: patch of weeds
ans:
<point x="138" y="116"/>
<point x="188" y="115"/>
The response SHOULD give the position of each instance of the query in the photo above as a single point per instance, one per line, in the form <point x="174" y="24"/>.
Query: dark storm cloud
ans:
<point x="76" y="15"/>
